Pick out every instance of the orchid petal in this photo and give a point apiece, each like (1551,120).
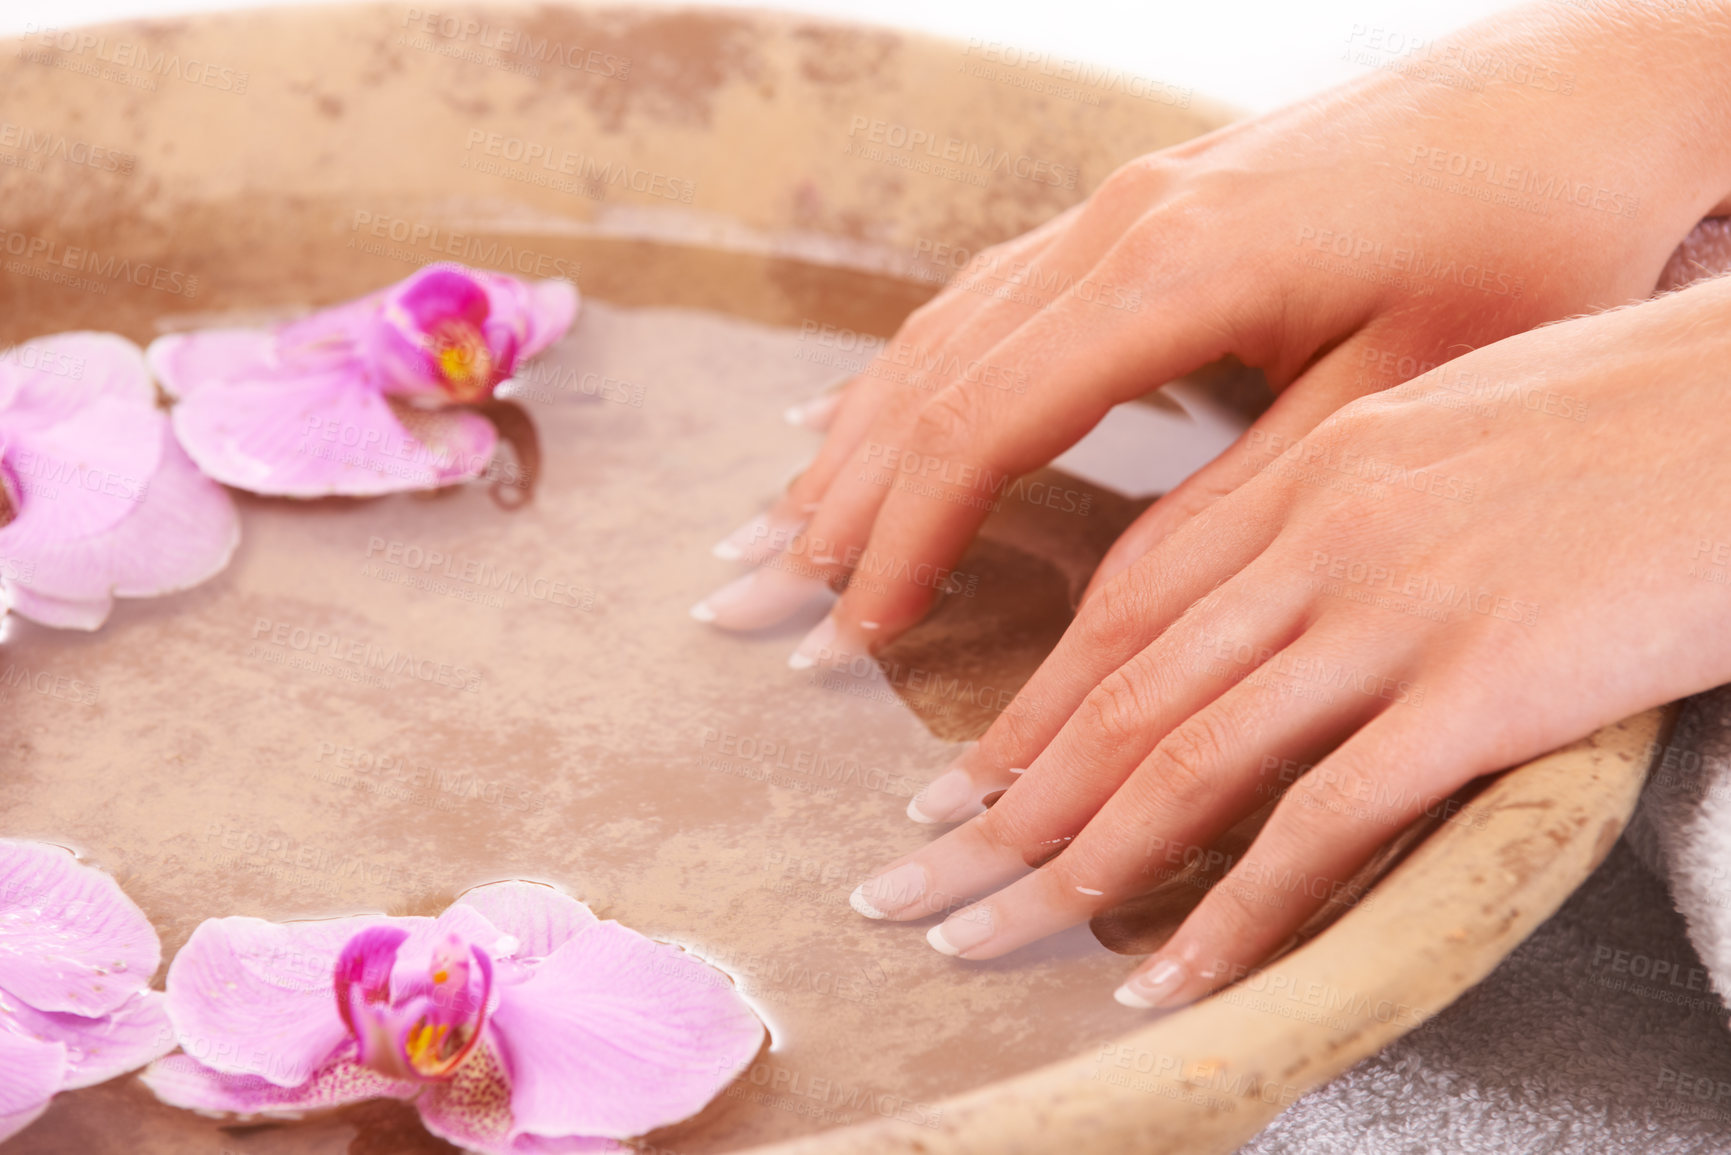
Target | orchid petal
(615,1034)
(254,997)
(181,1081)
(552,308)
(78,476)
(182,533)
(323,435)
(539,917)
(70,940)
(184,363)
(473,1110)
(58,613)
(98,1049)
(30,1073)
(51,380)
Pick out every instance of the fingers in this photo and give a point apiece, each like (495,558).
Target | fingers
(1152,717)
(1203,776)
(1335,379)
(911,508)
(845,412)
(1108,633)
(1329,824)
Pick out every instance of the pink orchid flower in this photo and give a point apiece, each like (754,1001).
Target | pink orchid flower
(516,1022)
(363,398)
(76,958)
(97,499)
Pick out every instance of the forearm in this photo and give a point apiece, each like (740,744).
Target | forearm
(1651,79)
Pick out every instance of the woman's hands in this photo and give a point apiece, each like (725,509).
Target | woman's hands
(1548,166)
(1439,581)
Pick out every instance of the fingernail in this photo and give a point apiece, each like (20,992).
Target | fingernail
(950,797)
(1153,987)
(891,892)
(761,598)
(962,932)
(757,537)
(813,645)
(816,413)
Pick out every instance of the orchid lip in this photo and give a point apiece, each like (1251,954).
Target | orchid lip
(428,1028)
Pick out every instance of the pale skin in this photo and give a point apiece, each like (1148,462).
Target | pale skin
(1282,606)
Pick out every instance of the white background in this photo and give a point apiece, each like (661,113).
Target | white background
(1255,54)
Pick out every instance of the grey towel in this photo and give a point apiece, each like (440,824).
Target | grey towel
(1604,1032)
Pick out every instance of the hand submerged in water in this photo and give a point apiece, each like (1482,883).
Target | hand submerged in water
(1439,581)
(1403,587)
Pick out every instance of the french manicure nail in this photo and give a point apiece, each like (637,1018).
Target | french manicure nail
(1153,987)
(756,537)
(760,598)
(812,647)
(816,413)
(947,798)
(962,931)
(891,892)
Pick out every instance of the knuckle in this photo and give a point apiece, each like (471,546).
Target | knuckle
(1329,796)
(1117,607)
(945,424)
(1132,183)
(1234,911)
(1003,828)
(1187,763)
(1118,708)
(1017,733)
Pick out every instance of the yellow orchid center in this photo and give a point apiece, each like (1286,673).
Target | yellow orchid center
(463,359)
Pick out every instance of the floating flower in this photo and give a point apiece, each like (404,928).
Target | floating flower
(516,1021)
(97,499)
(75,959)
(364,398)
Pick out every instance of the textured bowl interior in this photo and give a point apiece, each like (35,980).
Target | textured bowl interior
(730,193)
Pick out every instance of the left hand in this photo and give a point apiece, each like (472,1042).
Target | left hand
(1442,580)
